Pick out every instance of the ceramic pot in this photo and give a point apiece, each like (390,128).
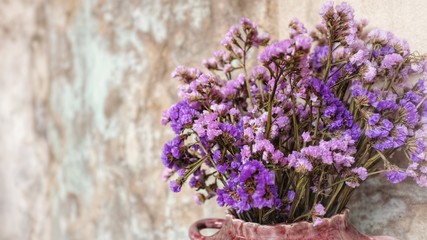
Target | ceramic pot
(337,227)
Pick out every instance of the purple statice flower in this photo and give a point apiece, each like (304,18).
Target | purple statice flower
(417,68)
(388,136)
(374,119)
(236,161)
(186,75)
(418,171)
(222,56)
(254,38)
(383,51)
(317,152)
(318,57)
(390,52)
(173,152)
(267,151)
(359,57)
(343,160)
(306,137)
(253,187)
(341,19)
(369,72)
(420,152)
(180,116)
(317,221)
(337,151)
(319,210)
(401,46)
(198,179)
(303,42)
(413,97)
(165,117)
(199,198)
(383,41)
(228,68)
(210,63)
(256,123)
(422,86)
(384,144)
(231,132)
(296,27)
(261,74)
(291,196)
(229,38)
(175,186)
(282,121)
(421,180)
(221,109)
(380,131)
(277,51)
(327,8)
(246,153)
(361,24)
(391,60)
(280,124)
(361,174)
(419,145)
(386,104)
(206,88)
(207,126)
(221,165)
(233,86)
(299,162)
(248,134)
(379,36)
(361,94)
(335,110)
(330,111)
(247,24)
(400,136)
(396,176)
(412,115)
(354,132)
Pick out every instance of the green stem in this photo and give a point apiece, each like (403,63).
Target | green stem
(247,83)
(300,189)
(302,216)
(294,118)
(334,196)
(316,128)
(421,102)
(328,65)
(270,103)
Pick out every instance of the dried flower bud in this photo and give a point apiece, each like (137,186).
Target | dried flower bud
(199,198)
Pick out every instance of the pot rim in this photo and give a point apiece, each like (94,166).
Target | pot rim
(340,217)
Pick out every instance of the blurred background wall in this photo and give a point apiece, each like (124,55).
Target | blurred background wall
(83,84)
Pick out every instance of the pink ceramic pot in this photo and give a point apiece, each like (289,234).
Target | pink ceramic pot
(337,227)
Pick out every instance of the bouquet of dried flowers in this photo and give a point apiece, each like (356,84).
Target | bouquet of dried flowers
(290,135)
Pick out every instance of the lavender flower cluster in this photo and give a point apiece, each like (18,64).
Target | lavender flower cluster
(290,137)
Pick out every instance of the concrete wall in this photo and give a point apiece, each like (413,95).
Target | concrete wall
(83,84)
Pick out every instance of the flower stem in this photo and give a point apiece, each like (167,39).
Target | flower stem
(270,103)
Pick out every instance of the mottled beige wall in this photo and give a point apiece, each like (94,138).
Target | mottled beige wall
(24,162)
(82,87)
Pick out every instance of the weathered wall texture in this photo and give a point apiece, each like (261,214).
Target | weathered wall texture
(83,84)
